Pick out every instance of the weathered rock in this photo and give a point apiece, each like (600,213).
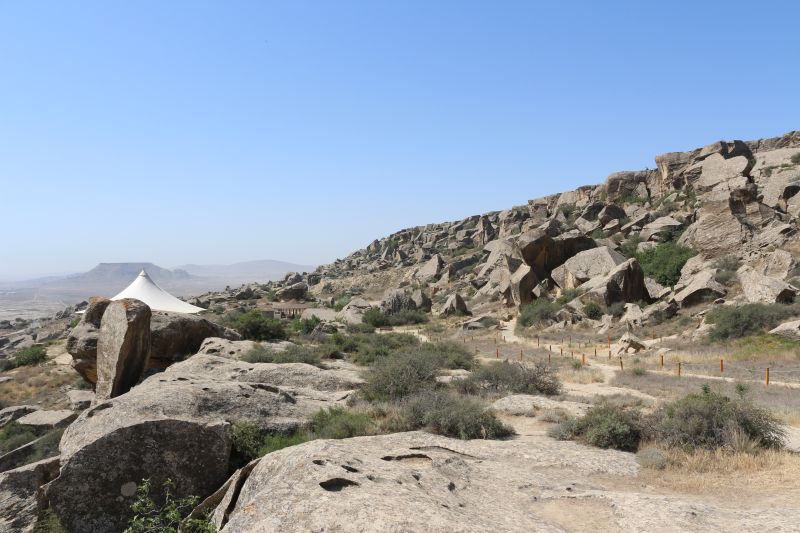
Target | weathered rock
(412,482)
(454,305)
(623,284)
(80,400)
(225,348)
(176,425)
(123,348)
(296,291)
(175,335)
(759,288)
(522,283)
(397,300)
(789,330)
(660,227)
(529,405)
(431,270)
(610,213)
(41,421)
(82,340)
(587,265)
(479,322)
(777,264)
(543,253)
(421,300)
(19,509)
(630,343)
(702,287)
(15,412)
(655,289)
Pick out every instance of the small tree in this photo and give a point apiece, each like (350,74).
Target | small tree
(149,516)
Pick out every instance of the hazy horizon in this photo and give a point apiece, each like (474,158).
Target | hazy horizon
(208,133)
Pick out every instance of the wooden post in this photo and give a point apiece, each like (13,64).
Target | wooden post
(537,341)
(679,369)
(520,354)
(583,359)
(497,353)
(561,353)
(609,355)
(721,366)
(548,358)
(662,360)
(621,366)
(595,351)
(766,377)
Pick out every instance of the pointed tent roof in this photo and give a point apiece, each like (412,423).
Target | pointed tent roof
(145,289)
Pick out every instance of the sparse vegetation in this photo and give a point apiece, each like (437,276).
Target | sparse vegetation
(505,377)
(340,423)
(538,311)
(664,262)
(593,311)
(451,415)
(726,267)
(394,378)
(13,435)
(253,325)
(150,516)
(291,354)
(604,426)
(250,442)
(732,322)
(30,356)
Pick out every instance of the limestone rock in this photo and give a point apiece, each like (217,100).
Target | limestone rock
(15,412)
(701,287)
(41,421)
(454,305)
(790,330)
(421,300)
(176,424)
(759,288)
(80,400)
(431,270)
(19,509)
(176,335)
(82,340)
(522,284)
(543,253)
(587,265)
(123,348)
(397,300)
(225,348)
(296,291)
(623,284)
(660,227)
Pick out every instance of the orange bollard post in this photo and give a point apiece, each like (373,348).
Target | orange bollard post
(721,366)
(497,353)
(561,351)
(679,369)
(537,341)
(583,359)
(662,360)
(766,377)
(548,358)
(520,355)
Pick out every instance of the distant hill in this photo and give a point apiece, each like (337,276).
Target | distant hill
(247,271)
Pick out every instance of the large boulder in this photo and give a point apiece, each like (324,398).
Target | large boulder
(82,340)
(295,291)
(701,287)
(522,284)
(397,300)
(419,482)
(19,509)
(176,425)
(176,335)
(789,330)
(454,305)
(226,348)
(15,412)
(431,270)
(123,347)
(543,253)
(623,284)
(421,300)
(759,288)
(660,228)
(587,265)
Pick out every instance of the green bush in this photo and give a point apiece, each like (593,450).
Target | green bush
(452,415)
(305,325)
(253,325)
(664,262)
(365,349)
(31,356)
(398,376)
(538,311)
(505,377)
(593,311)
(726,267)
(13,435)
(292,354)
(713,420)
(567,296)
(629,247)
(604,426)
(340,423)
(617,309)
(732,322)
(249,442)
(375,317)
(150,516)
(360,328)
(406,317)
(449,354)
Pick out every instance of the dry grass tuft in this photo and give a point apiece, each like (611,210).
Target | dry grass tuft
(583,375)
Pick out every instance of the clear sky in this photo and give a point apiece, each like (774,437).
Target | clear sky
(216,132)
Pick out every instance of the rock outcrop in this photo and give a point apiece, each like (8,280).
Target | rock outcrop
(123,347)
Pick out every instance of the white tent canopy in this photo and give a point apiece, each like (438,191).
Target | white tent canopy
(145,289)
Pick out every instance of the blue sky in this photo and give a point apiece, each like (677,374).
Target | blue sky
(215,132)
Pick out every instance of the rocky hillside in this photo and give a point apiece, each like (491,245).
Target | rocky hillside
(728,205)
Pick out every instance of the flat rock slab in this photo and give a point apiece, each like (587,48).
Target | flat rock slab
(18,508)
(10,414)
(80,399)
(47,420)
(528,405)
